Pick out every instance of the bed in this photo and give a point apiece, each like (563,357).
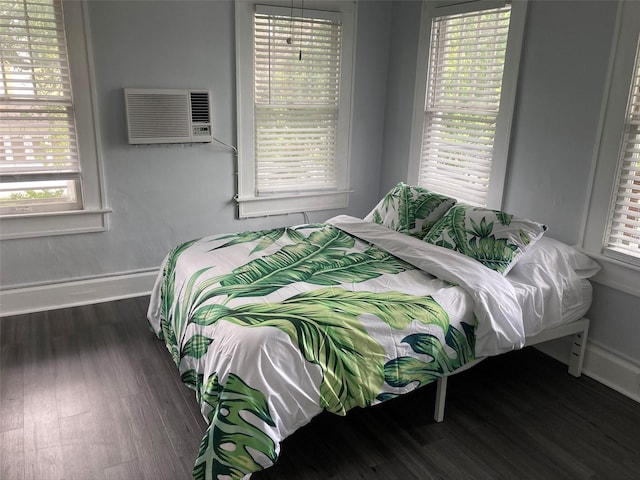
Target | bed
(270,328)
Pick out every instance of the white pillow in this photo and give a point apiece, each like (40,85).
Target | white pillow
(551,281)
(553,254)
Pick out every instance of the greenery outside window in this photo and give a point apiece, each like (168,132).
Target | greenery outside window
(294,83)
(465,94)
(50,179)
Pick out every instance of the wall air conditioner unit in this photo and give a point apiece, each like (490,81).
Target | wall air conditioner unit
(167,116)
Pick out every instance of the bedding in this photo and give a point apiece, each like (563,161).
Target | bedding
(551,279)
(272,327)
(492,237)
(410,209)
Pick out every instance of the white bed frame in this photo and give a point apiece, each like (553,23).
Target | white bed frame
(578,328)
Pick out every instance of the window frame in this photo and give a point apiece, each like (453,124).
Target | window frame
(93,215)
(617,272)
(249,203)
(433,9)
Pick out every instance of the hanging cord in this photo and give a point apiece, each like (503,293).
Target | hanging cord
(290,38)
(301,21)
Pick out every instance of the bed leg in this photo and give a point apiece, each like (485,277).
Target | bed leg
(441,393)
(577,352)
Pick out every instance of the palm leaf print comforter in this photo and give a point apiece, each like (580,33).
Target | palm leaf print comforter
(272,327)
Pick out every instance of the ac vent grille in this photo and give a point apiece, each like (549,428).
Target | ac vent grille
(200,107)
(167,116)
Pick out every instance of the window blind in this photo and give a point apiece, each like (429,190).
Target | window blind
(467,56)
(38,150)
(624,224)
(297,80)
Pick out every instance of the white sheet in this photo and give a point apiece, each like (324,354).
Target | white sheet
(551,286)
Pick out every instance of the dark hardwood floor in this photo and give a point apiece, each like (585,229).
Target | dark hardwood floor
(90,393)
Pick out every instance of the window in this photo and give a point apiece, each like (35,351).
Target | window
(294,82)
(623,233)
(49,171)
(467,83)
(612,221)
(40,170)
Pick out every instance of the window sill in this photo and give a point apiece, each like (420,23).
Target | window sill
(55,223)
(291,203)
(616,274)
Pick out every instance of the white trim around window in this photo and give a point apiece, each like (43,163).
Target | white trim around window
(498,167)
(251,203)
(616,271)
(94,215)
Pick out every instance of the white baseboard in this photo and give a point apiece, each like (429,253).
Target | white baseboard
(601,364)
(39,298)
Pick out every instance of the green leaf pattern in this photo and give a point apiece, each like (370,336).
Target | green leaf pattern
(410,209)
(310,283)
(167,293)
(228,447)
(405,370)
(492,237)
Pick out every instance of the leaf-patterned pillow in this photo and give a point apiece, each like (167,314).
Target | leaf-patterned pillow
(410,209)
(494,238)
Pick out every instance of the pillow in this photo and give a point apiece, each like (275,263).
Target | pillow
(409,209)
(582,265)
(494,238)
(550,280)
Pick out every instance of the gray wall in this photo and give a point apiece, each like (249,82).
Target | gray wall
(163,195)
(405,22)
(560,92)
(564,64)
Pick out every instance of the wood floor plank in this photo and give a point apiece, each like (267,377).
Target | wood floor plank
(79,463)
(113,431)
(84,453)
(184,428)
(455,461)
(46,463)
(587,445)
(12,388)
(153,447)
(12,454)
(41,429)
(71,386)
(128,379)
(124,471)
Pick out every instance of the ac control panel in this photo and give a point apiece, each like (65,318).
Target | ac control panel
(201,130)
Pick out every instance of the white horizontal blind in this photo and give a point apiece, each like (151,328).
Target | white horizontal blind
(467,55)
(624,220)
(38,150)
(297,79)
